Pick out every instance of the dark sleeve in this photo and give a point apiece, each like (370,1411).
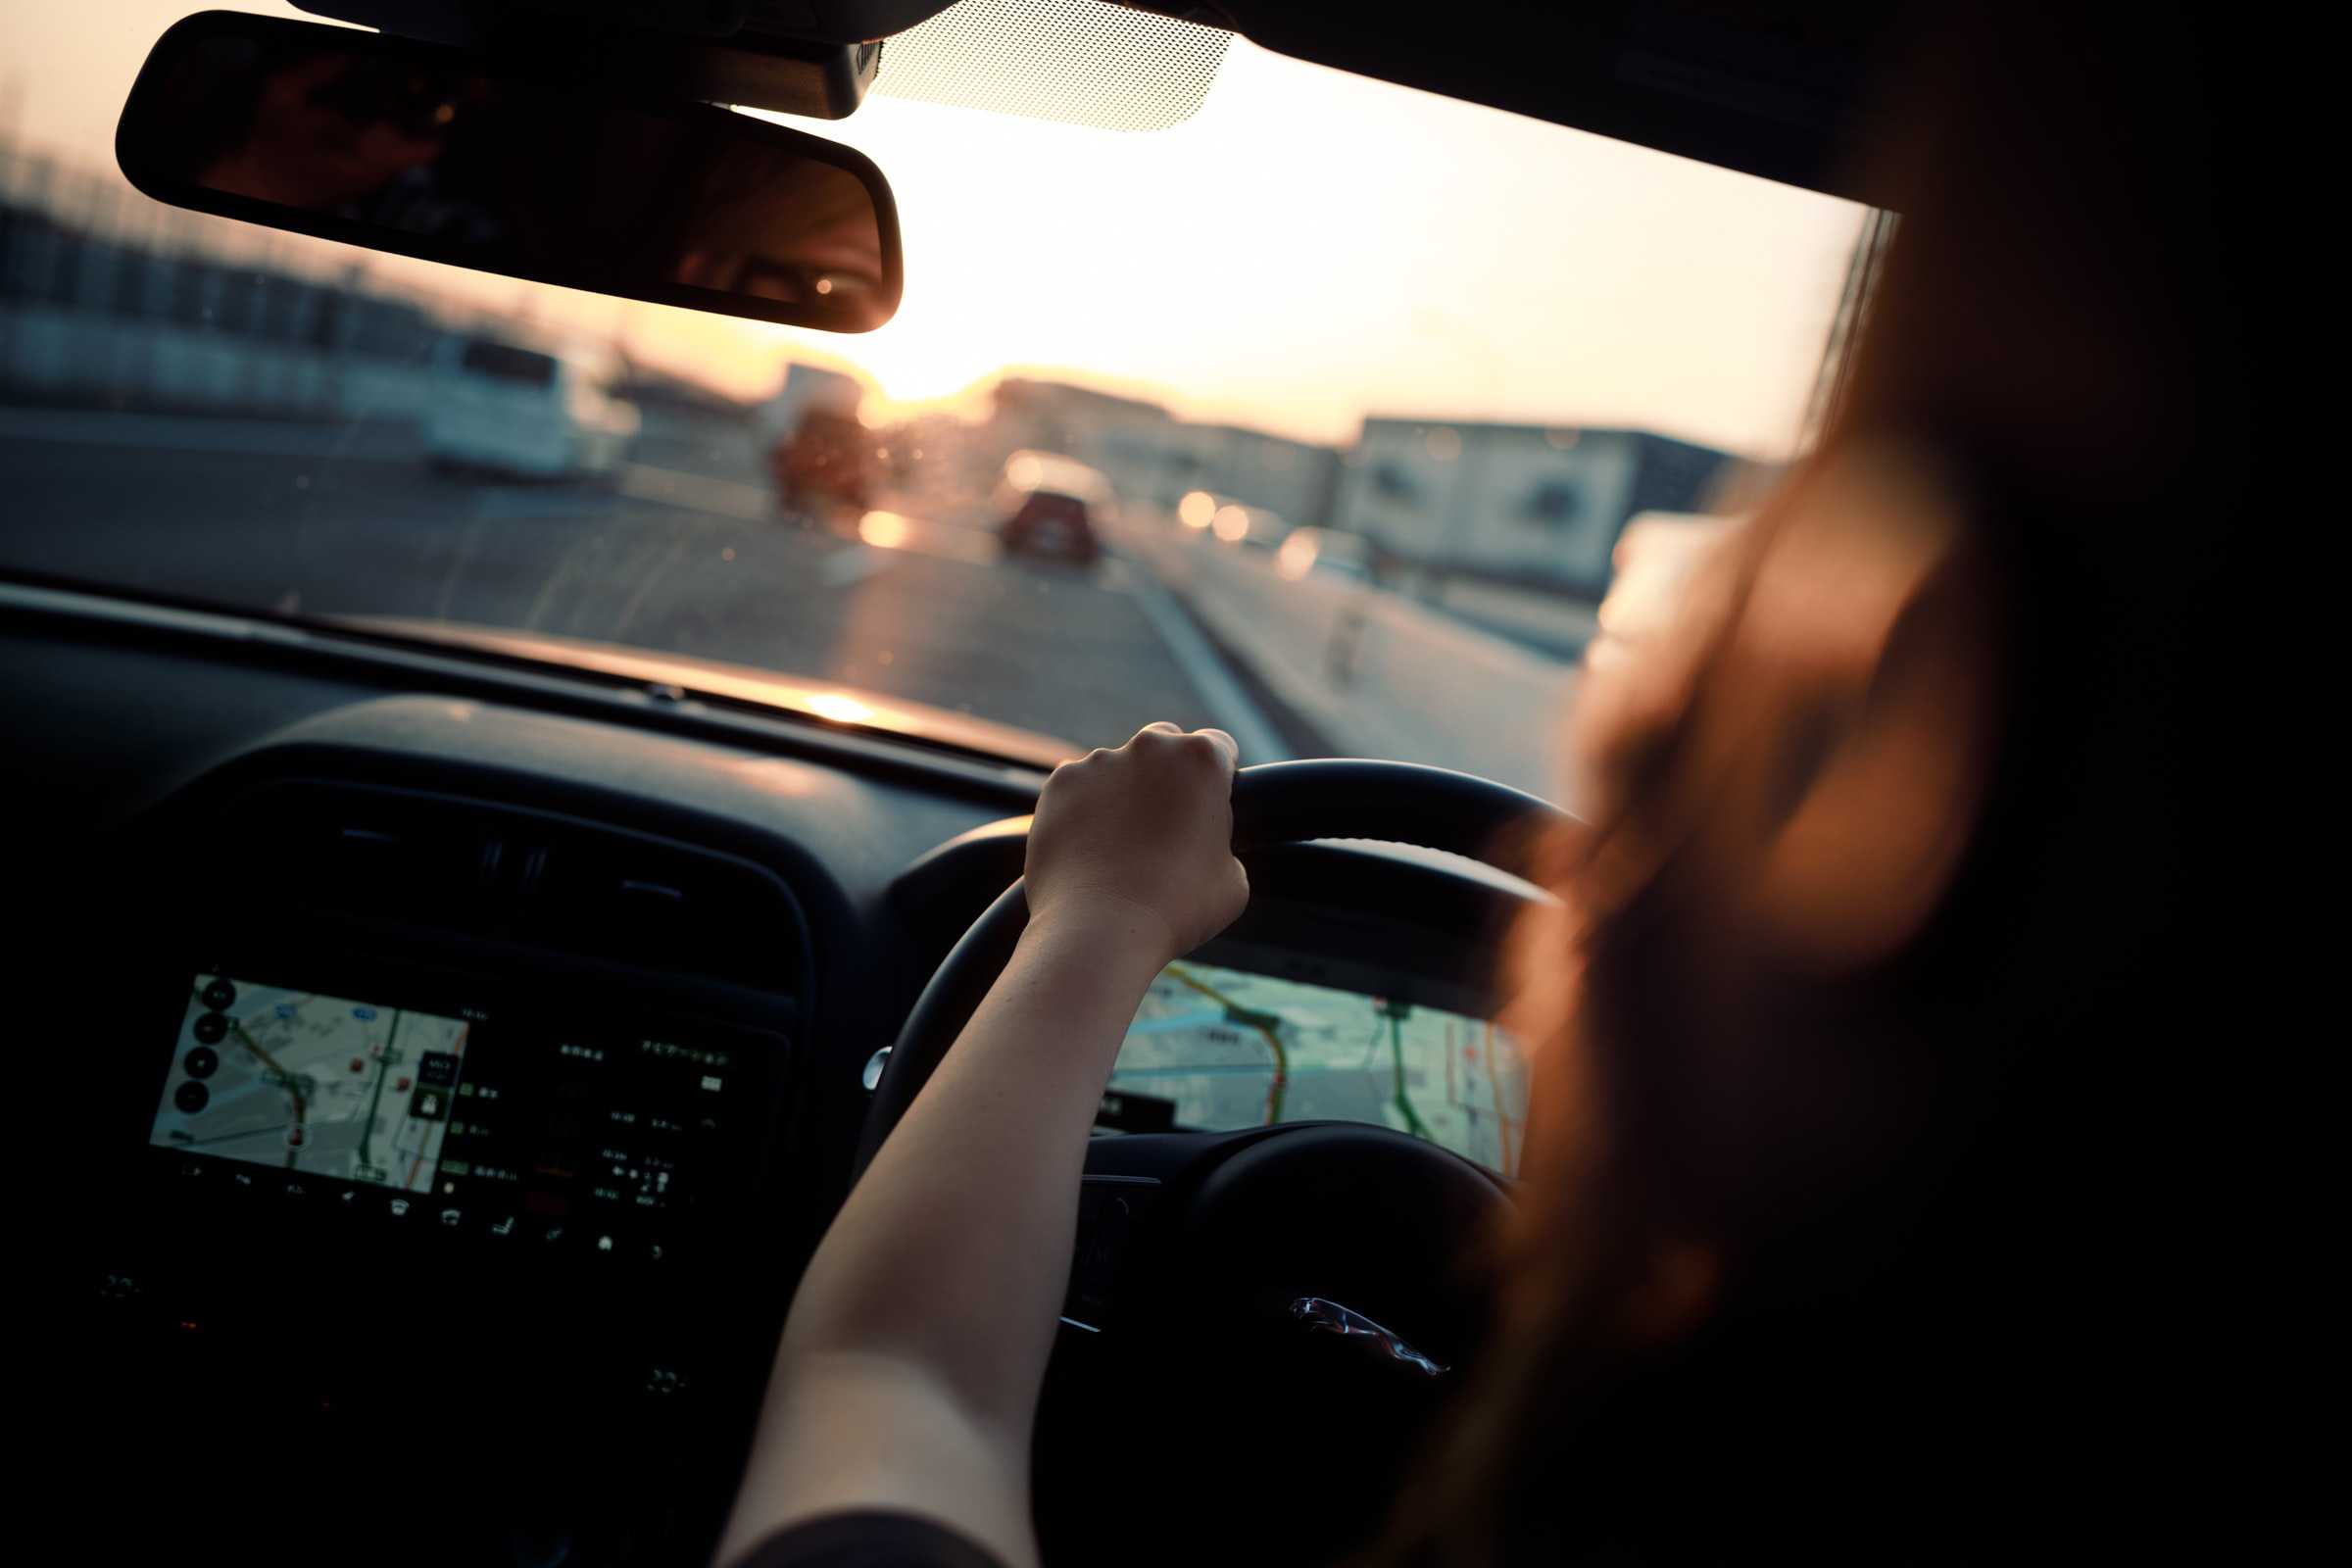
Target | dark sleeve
(869,1539)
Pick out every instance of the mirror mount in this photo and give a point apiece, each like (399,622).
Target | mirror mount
(711,50)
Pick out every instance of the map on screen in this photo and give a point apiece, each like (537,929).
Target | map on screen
(1230,1049)
(304,1082)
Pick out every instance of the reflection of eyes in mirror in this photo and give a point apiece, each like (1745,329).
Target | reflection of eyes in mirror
(777,226)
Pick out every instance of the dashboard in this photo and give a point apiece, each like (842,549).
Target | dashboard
(452,1066)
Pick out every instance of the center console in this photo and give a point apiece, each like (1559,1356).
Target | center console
(439,1135)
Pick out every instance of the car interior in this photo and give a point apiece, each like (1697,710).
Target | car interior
(636,959)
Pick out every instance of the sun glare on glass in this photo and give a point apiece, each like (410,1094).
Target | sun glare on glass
(836,706)
(1296,557)
(884,530)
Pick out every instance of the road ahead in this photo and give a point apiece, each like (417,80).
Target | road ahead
(685,554)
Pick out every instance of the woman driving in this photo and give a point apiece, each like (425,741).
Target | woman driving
(1849,1023)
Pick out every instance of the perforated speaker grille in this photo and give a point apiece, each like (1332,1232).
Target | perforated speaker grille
(1082,61)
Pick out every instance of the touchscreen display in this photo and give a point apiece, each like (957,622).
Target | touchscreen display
(513,1128)
(1215,1048)
(304,1082)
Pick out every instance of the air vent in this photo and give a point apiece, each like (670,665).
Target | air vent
(484,869)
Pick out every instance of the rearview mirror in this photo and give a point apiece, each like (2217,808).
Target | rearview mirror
(488,163)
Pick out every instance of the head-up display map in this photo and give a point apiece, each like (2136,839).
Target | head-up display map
(1217,1048)
(304,1082)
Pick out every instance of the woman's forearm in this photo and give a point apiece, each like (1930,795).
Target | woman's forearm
(972,1205)
(909,1372)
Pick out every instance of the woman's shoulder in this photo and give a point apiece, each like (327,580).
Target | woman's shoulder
(868,1540)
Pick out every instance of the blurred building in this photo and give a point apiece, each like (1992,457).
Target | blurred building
(110,301)
(1152,457)
(86,321)
(1461,513)
(1531,507)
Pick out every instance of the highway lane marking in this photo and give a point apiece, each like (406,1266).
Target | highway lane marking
(697,492)
(515,502)
(672,555)
(855,564)
(1229,707)
(894,530)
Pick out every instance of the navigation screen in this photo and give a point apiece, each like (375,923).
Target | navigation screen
(1215,1048)
(521,1122)
(303,1082)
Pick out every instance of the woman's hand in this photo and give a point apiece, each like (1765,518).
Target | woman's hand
(1141,837)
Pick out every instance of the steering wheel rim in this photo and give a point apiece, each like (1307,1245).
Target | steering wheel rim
(1273,802)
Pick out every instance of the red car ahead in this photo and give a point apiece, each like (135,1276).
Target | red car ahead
(1052,526)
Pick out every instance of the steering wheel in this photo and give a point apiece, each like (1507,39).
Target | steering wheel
(1273,802)
(1307,1270)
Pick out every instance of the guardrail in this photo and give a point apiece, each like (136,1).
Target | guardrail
(1376,673)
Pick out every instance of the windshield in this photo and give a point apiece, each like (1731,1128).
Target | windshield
(1320,415)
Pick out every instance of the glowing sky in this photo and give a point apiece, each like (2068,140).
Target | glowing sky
(1311,248)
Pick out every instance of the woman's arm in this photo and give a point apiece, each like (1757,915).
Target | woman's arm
(909,1372)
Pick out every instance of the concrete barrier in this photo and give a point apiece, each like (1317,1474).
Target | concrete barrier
(1378,674)
(94,355)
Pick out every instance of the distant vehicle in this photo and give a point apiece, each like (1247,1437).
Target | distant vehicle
(1054,527)
(1050,504)
(1326,550)
(825,464)
(533,413)
(807,387)
(820,452)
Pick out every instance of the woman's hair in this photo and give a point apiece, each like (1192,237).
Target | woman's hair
(1841,1228)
